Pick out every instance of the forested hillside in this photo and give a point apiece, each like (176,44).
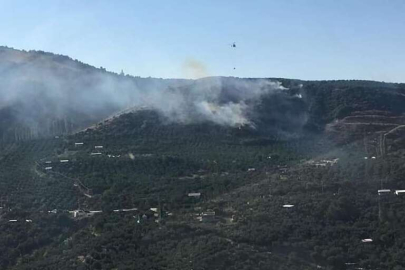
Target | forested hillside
(235,174)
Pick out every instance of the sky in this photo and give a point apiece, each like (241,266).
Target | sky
(301,39)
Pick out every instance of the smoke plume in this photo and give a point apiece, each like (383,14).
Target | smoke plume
(51,93)
(224,101)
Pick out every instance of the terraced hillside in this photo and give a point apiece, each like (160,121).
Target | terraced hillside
(136,206)
(134,170)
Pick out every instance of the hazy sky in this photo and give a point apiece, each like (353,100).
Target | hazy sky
(307,39)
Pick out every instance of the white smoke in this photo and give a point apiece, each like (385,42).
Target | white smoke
(224,101)
(231,114)
(47,86)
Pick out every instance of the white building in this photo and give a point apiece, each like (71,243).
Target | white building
(207,216)
(288,205)
(397,192)
(129,209)
(383,191)
(76,213)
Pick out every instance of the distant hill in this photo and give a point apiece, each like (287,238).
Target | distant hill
(45,94)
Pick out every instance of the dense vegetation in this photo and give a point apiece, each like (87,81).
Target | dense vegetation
(244,174)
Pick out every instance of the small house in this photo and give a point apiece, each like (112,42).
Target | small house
(207,216)
(397,192)
(288,205)
(383,191)
(77,213)
(367,240)
(129,209)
